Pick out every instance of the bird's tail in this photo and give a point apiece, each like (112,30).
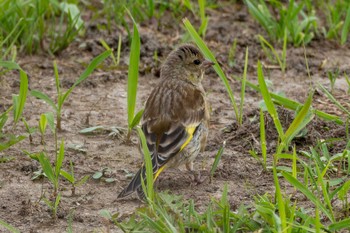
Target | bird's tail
(135,185)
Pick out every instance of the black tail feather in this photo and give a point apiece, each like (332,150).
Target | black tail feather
(135,184)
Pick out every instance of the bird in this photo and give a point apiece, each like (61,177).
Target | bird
(175,120)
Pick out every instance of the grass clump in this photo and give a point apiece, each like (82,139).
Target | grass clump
(291,19)
(35,25)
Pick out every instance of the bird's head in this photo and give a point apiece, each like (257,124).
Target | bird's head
(186,62)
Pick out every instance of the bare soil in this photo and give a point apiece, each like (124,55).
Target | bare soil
(101,101)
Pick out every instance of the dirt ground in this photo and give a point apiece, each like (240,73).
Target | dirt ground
(101,101)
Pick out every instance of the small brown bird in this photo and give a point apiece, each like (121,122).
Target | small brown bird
(175,119)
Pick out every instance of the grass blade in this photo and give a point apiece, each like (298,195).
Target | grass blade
(244,80)
(133,73)
(305,190)
(148,164)
(268,101)
(217,159)
(91,67)
(22,97)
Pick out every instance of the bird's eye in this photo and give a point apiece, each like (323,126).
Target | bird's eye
(197,62)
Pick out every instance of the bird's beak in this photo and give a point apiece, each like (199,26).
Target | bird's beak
(207,63)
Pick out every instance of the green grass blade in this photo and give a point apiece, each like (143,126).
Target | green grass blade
(12,229)
(46,165)
(268,101)
(300,121)
(306,191)
(342,224)
(44,97)
(60,158)
(23,90)
(148,164)
(137,119)
(263,138)
(217,159)
(67,176)
(294,105)
(208,54)
(10,65)
(346,27)
(331,97)
(57,79)
(279,197)
(42,124)
(133,73)
(91,67)
(244,80)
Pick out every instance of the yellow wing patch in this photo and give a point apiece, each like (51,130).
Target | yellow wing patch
(190,130)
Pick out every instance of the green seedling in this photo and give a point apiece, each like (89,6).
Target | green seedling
(19,100)
(334,100)
(268,49)
(243,85)
(294,105)
(204,19)
(291,21)
(106,46)
(72,179)
(217,160)
(9,227)
(53,175)
(53,205)
(63,96)
(148,187)
(28,27)
(133,75)
(69,26)
(263,138)
(333,76)
(30,130)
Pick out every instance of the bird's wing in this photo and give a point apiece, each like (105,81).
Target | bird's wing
(169,129)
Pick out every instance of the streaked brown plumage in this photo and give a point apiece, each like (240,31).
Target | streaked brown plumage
(175,119)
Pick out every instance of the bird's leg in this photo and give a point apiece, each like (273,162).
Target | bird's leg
(196,174)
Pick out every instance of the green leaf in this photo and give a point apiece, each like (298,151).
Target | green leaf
(217,159)
(91,129)
(269,104)
(136,119)
(42,124)
(19,106)
(148,164)
(51,121)
(46,165)
(97,175)
(306,191)
(9,227)
(43,97)
(67,176)
(57,201)
(300,121)
(133,73)
(12,140)
(82,180)
(346,27)
(91,67)
(60,159)
(342,224)
(10,65)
